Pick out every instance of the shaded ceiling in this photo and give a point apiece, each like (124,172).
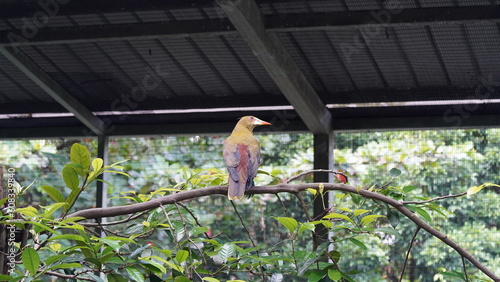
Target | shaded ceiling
(76,68)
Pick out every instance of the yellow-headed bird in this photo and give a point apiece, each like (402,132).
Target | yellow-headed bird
(242,156)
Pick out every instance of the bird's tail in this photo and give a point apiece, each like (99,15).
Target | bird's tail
(236,189)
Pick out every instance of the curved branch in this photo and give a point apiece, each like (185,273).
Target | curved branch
(282,188)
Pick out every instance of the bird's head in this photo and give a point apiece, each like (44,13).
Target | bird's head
(250,122)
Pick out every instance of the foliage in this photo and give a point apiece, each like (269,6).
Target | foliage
(65,247)
(432,164)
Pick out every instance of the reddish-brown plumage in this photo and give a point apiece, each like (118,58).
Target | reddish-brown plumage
(242,156)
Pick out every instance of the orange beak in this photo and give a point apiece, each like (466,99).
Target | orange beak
(260,122)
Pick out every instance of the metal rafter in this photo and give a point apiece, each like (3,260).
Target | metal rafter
(56,91)
(248,21)
(290,22)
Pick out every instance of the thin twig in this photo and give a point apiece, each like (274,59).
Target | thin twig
(249,237)
(186,232)
(67,276)
(434,199)
(311,171)
(465,269)
(194,217)
(131,217)
(282,204)
(306,212)
(408,252)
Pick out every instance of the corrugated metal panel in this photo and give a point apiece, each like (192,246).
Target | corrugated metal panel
(474,2)
(453,47)
(290,7)
(121,18)
(214,12)
(190,60)
(297,54)
(363,5)
(433,3)
(152,16)
(187,14)
(422,56)
(234,72)
(16,86)
(324,7)
(252,64)
(353,51)
(85,20)
(325,60)
(485,40)
(383,44)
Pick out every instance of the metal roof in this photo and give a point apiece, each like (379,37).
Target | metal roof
(75,68)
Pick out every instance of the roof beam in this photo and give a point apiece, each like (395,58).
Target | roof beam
(56,91)
(248,21)
(277,23)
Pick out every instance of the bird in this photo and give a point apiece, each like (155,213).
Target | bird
(241,153)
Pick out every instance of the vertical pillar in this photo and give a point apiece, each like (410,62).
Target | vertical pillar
(101,191)
(323,159)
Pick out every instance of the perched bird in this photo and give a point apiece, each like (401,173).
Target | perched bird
(242,156)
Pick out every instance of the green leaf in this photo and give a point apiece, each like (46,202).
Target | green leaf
(424,214)
(73,237)
(181,279)
(334,274)
(52,208)
(41,226)
(175,267)
(97,164)
(358,243)
(315,276)
(393,217)
(394,172)
(304,265)
(474,190)
(390,231)
(335,255)
(80,154)
(306,226)
(338,215)
(53,193)
(288,222)
(110,242)
(155,267)
(358,212)
(370,218)
(135,274)
(31,260)
(70,178)
(65,265)
(50,260)
(4,277)
(115,278)
(181,256)
(198,230)
(227,251)
(210,279)
(408,189)
(28,211)
(71,199)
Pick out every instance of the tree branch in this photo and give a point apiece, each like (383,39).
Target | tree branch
(275,189)
(434,199)
(408,253)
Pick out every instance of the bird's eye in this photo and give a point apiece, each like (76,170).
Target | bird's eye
(251,118)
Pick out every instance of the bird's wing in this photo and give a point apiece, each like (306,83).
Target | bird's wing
(232,159)
(253,165)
